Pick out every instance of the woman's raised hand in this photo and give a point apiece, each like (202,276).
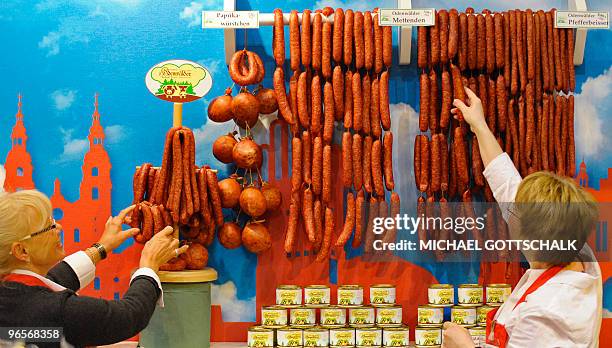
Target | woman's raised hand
(472,113)
(160,249)
(114,234)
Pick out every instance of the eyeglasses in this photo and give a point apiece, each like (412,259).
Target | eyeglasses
(52,226)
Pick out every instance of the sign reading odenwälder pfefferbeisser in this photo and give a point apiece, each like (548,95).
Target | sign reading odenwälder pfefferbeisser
(230,19)
(178,81)
(582,19)
(407,17)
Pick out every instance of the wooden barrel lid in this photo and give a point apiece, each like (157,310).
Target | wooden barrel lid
(200,276)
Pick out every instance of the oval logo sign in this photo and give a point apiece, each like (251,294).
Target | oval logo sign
(178,81)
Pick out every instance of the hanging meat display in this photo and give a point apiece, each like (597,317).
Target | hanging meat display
(340,68)
(530,85)
(521,68)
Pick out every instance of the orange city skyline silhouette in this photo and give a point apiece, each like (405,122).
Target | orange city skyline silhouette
(82,220)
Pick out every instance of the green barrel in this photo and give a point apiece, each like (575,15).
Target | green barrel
(184,321)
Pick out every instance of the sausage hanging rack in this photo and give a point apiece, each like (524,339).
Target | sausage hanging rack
(267,19)
(405,33)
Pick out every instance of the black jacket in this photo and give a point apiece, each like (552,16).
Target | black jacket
(86,321)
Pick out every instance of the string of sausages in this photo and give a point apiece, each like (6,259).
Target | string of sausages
(521,68)
(339,61)
(178,193)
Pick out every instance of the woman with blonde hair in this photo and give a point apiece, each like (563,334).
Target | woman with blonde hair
(38,282)
(558,301)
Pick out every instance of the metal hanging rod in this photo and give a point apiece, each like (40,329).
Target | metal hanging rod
(404,42)
(267,19)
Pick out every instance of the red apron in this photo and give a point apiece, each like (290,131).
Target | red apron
(496,333)
(25,279)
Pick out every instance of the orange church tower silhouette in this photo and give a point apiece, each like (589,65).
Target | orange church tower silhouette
(96,185)
(582,179)
(83,220)
(604,193)
(18,161)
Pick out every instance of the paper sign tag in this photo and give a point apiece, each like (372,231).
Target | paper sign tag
(422,17)
(230,19)
(178,81)
(582,19)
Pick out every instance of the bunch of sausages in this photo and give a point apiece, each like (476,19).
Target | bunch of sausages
(339,61)
(177,193)
(246,68)
(521,68)
(508,60)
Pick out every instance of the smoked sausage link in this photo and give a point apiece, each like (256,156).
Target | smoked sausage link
(433,101)
(443,20)
(377,174)
(458,90)
(425,165)
(294,40)
(349,221)
(463,41)
(358,40)
(326,50)
(357,102)
(435,161)
(338,36)
(279,38)
(472,44)
(453,34)
(498,28)
(387,46)
(328,126)
(357,161)
(461,157)
(417,160)
(447,100)
(444,165)
(349,21)
(422,47)
(359,213)
(296,164)
(385,113)
(502,101)
(347,160)
(434,40)
(317,41)
(338,87)
(281,95)
(367,164)
(378,45)
(388,160)
(317,165)
(348,100)
(327,174)
(425,103)
(306,39)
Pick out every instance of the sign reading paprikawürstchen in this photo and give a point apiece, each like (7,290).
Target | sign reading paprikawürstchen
(230,19)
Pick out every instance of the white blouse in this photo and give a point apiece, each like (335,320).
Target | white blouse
(566,310)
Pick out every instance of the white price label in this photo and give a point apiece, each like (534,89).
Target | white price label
(423,17)
(582,19)
(230,19)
